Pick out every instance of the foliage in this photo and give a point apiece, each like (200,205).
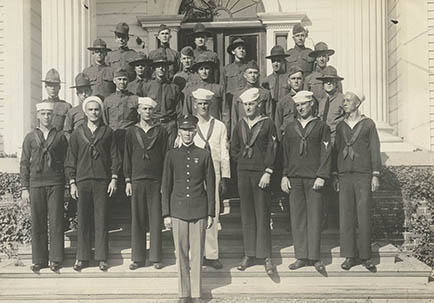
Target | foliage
(10,184)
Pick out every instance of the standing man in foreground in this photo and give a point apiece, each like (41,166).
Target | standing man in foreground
(43,181)
(188,205)
(357,174)
(92,167)
(254,147)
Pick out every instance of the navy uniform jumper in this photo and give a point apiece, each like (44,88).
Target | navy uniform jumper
(358,159)
(42,173)
(307,155)
(143,167)
(254,150)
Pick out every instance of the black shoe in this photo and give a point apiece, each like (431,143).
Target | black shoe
(319,266)
(37,267)
(79,265)
(216,264)
(246,262)
(367,263)
(184,300)
(299,263)
(269,267)
(103,265)
(54,266)
(158,265)
(136,265)
(348,263)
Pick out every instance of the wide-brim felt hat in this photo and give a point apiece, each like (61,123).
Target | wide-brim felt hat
(277,52)
(122,29)
(82,80)
(235,44)
(330,73)
(201,60)
(199,29)
(159,57)
(99,44)
(139,58)
(321,48)
(52,76)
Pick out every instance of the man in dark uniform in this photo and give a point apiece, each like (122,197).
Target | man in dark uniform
(357,170)
(253,146)
(43,181)
(307,163)
(141,66)
(75,115)
(251,75)
(99,72)
(121,56)
(165,93)
(299,54)
(163,36)
(188,203)
(200,37)
(204,67)
(277,81)
(185,75)
(321,55)
(145,149)
(60,107)
(232,74)
(92,167)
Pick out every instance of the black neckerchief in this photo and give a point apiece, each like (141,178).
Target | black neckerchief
(140,139)
(92,144)
(248,144)
(348,149)
(303,138)
(208,135)
(44,148)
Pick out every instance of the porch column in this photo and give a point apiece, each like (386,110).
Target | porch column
(68,28)
(280,24)
(361,52)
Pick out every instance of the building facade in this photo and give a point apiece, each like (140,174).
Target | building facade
(385,47)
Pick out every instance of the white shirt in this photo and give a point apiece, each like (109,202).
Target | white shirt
(219,145)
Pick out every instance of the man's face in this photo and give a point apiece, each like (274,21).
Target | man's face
(201,106)
(52,89)
(186,61)
(160,70)
(145,111)
(304,109)
(296,81)
(93,111)
(164,36)
(45,117)
(200,40)
(204,71)
(322,60)
(121,40)
(121,82)
(187,135)
(140,68)
(251,75)
(277,64)
(239,52)
(251,108)
(83,93)
(299,38)
(99,56)
(351,103)
(330,85)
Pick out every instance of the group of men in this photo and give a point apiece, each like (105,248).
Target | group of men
(164,129)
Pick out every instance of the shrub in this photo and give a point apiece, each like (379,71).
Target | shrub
(10,184)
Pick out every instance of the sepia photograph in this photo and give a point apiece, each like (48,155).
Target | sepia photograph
(217,151)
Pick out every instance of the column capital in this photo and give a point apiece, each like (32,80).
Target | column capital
(152,23)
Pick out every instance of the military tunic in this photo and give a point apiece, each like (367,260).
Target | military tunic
(120,58)
(331,111)
(172,55)
(74,118)
(60,110)
(299,56)
(285,113)
(232,76)
(135,87)
(102,77)
(277,92)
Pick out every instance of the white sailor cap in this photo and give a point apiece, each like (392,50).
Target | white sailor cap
(92,99)
(203,94)
(358,93)
(44,106)
(147,101)
(252,94)
(302,96)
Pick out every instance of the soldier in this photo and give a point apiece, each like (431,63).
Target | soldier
(185,75)
(141,66)
(43,182)
(92,167)
(205,67)
(166,95)
(254,146)
(277,81)
(251,75)
(188,204)
(321,55)
(75,115)
(60,107)
(212,135)
(356,176)
(307,162)
(232,74)
(299,54)
(200,37)
(145,149)
(163,36)
(121,56)
(99,72)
